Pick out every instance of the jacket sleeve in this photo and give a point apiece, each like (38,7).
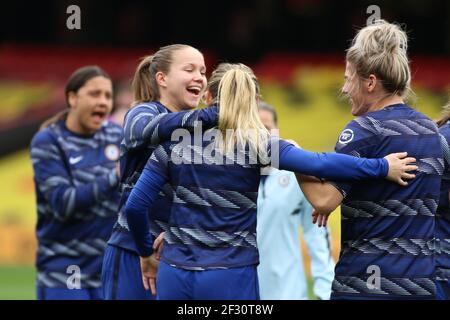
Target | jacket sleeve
(141,199)
(144,125)
(329,165)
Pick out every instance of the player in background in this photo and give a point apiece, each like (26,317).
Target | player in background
(210,249)
(123,99)
(387,238)
(443,214)
(74,158)
(282,209)
(167,87)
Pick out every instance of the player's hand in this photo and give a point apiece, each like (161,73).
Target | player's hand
(149,270)
(399,167)
(158,245)
(320,218)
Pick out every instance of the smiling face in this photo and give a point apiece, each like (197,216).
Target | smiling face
(354,89)
(90,106)
(184,84)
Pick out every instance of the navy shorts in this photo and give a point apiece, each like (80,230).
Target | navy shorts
(218,284)
(121,276)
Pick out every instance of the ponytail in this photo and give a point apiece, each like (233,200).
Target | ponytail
(143,83)
(238,113)
(61,115)
(216,76)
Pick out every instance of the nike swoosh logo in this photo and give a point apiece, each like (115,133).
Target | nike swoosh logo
(75,160)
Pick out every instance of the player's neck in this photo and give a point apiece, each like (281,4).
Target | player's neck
(74,126)
(171,105)
(386,102)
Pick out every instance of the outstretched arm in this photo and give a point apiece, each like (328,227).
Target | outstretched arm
(339,167)
(325,197)
(144,125)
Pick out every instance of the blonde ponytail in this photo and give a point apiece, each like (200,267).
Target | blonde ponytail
(239,121)
(216,76)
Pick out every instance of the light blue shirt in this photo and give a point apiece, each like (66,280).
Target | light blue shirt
(282,208)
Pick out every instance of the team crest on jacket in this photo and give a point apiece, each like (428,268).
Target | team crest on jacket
(112,152)
(283,180)
(346,136)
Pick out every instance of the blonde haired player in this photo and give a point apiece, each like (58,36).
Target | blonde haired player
(387,238)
